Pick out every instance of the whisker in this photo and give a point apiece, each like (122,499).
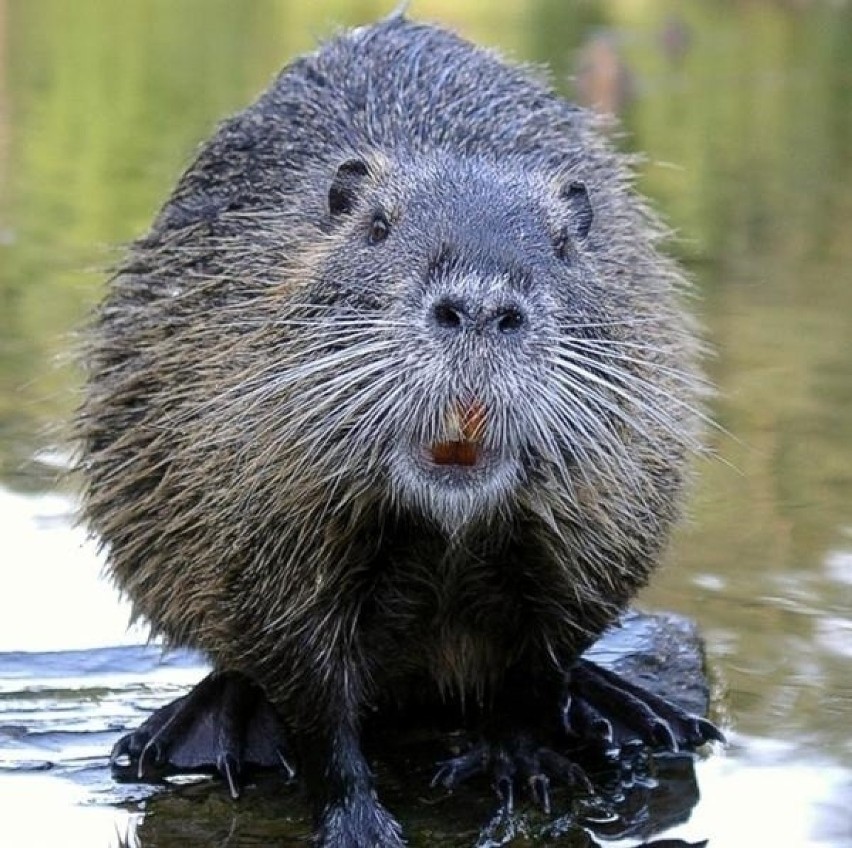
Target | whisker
(629,378)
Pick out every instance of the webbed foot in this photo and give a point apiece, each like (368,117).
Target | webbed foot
(225,726)
(608,711)
(515,758)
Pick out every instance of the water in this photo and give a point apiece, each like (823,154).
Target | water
(744,112)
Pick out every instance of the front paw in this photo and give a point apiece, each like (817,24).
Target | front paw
(224,725)
(359,822)
(606,710)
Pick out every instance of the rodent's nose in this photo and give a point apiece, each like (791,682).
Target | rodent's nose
(457,315)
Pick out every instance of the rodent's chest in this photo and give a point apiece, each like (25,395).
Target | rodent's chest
(461,628)
(463,659)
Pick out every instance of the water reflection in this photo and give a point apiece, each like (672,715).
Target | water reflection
(745,113)
(199,816)
(763,794)
(58,601)
(70,814)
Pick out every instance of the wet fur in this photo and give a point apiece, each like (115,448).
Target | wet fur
(251,369)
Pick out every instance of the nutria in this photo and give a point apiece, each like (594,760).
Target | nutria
(394,401)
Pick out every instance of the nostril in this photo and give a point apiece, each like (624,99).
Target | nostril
(511,320)
(450,313)
(447,315)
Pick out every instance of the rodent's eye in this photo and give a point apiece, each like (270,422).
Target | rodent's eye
(379,229)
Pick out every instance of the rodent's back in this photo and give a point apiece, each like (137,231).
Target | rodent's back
(221,349)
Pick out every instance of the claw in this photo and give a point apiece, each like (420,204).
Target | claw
(585,721)
(119,750)
(602,728)
(705,730)
(664,735)
(229,769)
(456,770)
(443,777)
(150,748)
(289,771)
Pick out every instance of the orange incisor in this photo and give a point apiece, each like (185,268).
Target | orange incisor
(468,420)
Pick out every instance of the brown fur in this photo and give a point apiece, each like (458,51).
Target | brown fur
(258,375)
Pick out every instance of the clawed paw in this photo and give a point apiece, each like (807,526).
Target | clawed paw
(609,712)
(603,714)
(224,726)
(512,761)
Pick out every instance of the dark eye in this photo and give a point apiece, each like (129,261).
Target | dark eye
(379,229)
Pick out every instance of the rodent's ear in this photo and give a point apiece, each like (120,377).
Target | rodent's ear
(344,187)
(577,197)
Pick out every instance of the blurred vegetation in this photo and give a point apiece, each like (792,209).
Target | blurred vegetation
(744,113)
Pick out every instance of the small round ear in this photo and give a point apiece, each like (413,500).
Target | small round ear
(582,215)
(343,191)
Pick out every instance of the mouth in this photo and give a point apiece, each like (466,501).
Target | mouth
(466,422)
(464,451)
(461,453)
(461,475)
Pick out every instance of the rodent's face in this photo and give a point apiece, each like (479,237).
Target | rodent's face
(447,292)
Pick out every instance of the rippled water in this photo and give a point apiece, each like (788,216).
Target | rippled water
(744,111)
